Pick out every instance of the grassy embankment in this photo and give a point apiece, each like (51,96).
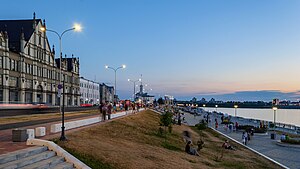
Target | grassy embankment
(134,142)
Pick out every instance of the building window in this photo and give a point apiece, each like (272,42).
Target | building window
(28,50)
(40,38)
(1,61)
(12,65)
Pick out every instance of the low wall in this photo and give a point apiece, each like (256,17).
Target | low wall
(74,124)
(79,123)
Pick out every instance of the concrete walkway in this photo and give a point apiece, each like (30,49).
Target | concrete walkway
(6,144)
(262,143)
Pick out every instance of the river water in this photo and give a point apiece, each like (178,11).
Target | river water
(287,116)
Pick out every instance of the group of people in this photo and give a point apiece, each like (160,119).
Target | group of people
(105,108)
(245,137)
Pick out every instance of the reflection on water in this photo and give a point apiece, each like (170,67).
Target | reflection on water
(287,116)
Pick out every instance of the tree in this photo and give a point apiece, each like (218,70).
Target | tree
(194,100)
(166,121)
(160,101)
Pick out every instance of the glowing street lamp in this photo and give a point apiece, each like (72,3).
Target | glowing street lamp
(204,107)
(134,81)
(235,109)
(216,107)
(77,28)
(115,70)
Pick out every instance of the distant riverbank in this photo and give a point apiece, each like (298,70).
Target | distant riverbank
(285,116)
(250,106)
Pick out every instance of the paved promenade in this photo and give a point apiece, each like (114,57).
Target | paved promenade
(262,143)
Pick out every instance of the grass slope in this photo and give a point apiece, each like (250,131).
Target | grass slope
(134,142)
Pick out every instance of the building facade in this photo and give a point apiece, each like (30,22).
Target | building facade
(106,93)
(89,92)
(29,72)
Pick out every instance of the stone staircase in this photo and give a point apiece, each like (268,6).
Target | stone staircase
(33,158)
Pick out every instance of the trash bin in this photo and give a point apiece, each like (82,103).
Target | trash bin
(19,135)
(273,136)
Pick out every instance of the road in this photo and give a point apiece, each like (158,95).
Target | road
(17,112)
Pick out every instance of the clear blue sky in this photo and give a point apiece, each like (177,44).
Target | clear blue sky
(183,48)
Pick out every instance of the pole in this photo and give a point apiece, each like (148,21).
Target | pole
(116,85)
(134,91)
(60,75)
(235,112)
(63,137)
(274,117)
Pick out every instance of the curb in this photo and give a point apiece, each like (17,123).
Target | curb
(279,143)
(268,158)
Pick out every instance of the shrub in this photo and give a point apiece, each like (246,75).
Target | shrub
(255,129)
(291,141)
(202,125)
(260,130)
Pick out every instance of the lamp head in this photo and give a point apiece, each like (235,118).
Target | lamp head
(216,105)
(77,27)
(140,79)
(43,29)
(204,105)
(128,80)
(235,106)
(274,108)
(106,67)
(123,66)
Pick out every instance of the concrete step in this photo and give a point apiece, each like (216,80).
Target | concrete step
(64,165)
(16,155)
(44,164)
(28,160)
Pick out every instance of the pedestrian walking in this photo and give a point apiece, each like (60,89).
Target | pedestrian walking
(244,138)
(109,109)
(104,111)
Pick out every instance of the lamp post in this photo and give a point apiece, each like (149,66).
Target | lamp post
(115,70)
(235,109)
(204,106)
(134,81)
(274,115)
(216,108)
(76,28)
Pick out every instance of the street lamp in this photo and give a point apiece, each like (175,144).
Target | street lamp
(216,107)
(115,69)
(204,106)
(76,28)
(235,108)
(274,116)
(134,81)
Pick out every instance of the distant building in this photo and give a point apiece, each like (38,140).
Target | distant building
(275,102)
(29,70)
(89,91)
(106,93)
(143,97)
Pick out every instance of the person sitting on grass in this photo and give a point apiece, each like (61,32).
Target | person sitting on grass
(200,144)
(226,145)
(190,150)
